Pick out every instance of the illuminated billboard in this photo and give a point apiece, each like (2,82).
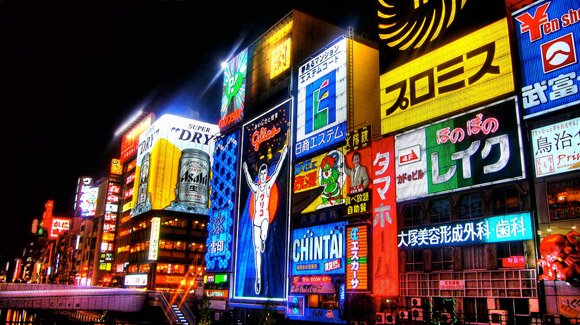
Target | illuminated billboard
(548,38)
(262,231)
(319,250)
(385,264)
(468,71)
(131,139)
(154,239)
(322,100)
(234,90)
(357,253)
(473,149)
(88,200)
(512,227)
(358,168)
(173,166)
(220,227)
(59,226)
(116,167)
(319,182)
(555,148)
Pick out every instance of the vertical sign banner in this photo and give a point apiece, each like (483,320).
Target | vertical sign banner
(358,168)
(322,100)
(130,141)
(319,250)
(556,148)
(357,252)
(154,238)
(469,150)
(262,233)
(548,36)
(223,208)
(173,166)
(385,270)
(463,73)
(234,90)
(319,182)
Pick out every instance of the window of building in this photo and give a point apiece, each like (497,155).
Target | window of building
(440,211)
(475,310)
(510,249)
(414,260)
(174,222)
(442,258)
(506,201)
(471,207)
(413,215)
(473,257)
(564,199)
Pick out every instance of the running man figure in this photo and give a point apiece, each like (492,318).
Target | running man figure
(261,222)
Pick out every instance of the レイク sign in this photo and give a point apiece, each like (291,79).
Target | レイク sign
(512,227)
(472,149)
(548,36)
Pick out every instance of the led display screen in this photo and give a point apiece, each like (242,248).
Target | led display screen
(512,227)
(471,149)
(173,166)
(357,252)
(234,90)
(319,249)
(385,254)
(548,36)
(130,140)
(223,210)
(322,100)
(460,74)
(556,148)
(319,182)
(262,231)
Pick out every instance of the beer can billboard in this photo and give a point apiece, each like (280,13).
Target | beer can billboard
(173,166)
(469,150)
(263,226)
(548,36)
(223,203)
(322,100)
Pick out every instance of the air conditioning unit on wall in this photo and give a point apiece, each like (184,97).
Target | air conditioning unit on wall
(416,302)
(446,318)
(417,314)
(390,318)
(498,317)
(380,318)
(404,314)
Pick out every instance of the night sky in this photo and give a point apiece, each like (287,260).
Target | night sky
(71,72)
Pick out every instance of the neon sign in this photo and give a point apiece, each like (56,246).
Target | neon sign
(512,227)
(319,249)
(234,93)
(357,254)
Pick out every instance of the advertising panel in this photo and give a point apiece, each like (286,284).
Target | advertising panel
(173,166)
(556,148)
(548,38)
(385,254)
(511,227)
(358,163)
(319,250)
(59,226)
(472,149)
(357,252)
(319,182)
(463,73)
(322,100)
(154,239)
(88,200)
(262,231)
(136,280)
(116,167)
(130,141)
(223,209)
(234,90)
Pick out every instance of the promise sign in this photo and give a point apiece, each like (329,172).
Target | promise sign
(460,74)
(469,150)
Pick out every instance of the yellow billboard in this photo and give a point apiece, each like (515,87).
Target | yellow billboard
(463,73)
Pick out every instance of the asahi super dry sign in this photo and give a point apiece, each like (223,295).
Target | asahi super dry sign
(173,166)
(472,149)
(262,233)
